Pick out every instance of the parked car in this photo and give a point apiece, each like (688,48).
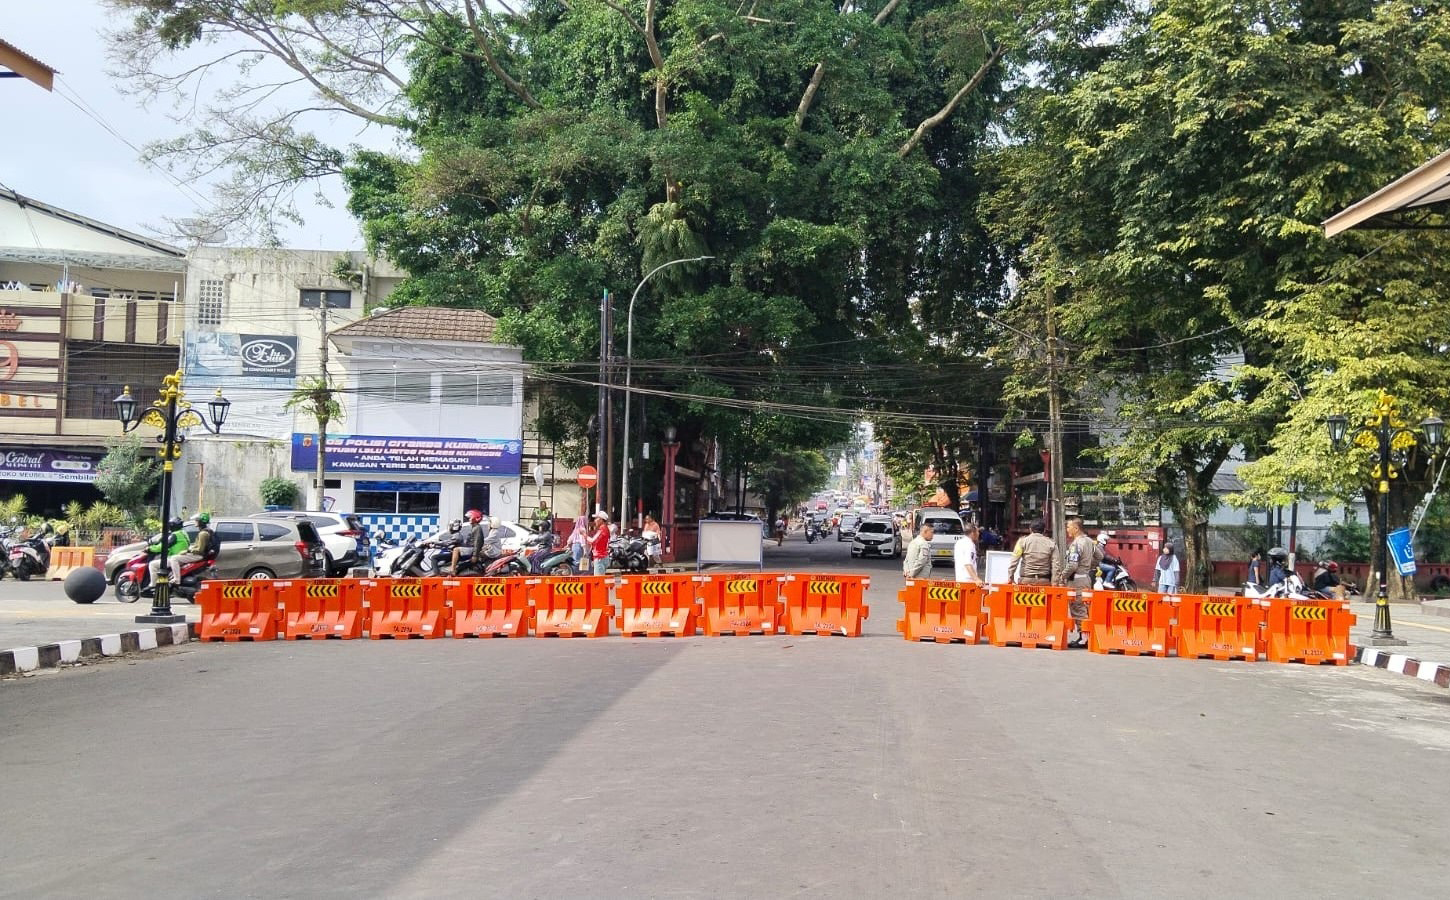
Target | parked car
(877,536)
(253,547)
(847,528)
(344,535)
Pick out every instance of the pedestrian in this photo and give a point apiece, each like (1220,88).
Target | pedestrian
(1165,574)
(1256,568)
(599,543)
(649,532)
(579,543)
(917,561)
(542,520)
(1083,556)
(1034,558)
(964,556)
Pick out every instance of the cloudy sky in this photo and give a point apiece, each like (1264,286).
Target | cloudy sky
(59,154)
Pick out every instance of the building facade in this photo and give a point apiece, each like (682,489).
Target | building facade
(433,417)
(86,309)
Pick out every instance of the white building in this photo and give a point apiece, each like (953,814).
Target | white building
(434,421)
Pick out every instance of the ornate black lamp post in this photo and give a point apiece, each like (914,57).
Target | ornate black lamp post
(1388,441)
(171,413)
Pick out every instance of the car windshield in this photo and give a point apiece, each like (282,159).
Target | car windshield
(946,526)
(875,527)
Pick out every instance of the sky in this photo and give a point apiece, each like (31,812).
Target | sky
(58,154)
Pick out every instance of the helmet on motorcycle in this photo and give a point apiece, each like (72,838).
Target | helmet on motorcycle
(1103,538)
(474,516)
(1332,566)
(174,524)
(203,518)
(455,526)
(494,522)
(1278,554)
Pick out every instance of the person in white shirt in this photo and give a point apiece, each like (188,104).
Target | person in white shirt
(964,555)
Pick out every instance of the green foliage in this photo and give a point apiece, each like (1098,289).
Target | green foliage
(127,474)
(12,508)
(784,479)
(278,491)
(1345,542)
(316,398)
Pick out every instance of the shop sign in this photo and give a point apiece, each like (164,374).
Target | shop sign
(264,355)
(9,321)
(47,465)
(362,453)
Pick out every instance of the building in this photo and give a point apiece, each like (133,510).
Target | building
(85,310)
(434,419)
(256,323)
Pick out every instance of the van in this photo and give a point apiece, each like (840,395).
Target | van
(948,527)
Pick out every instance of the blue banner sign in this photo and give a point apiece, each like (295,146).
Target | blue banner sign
(1401,550)
(375,454)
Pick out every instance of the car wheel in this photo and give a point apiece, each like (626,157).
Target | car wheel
(259,573)
(329,565)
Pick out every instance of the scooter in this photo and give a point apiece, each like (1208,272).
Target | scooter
(1292,587)
(31,557)
(135,582)
(632,554)
(812,531)
(1113,576)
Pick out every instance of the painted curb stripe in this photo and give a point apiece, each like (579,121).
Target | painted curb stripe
(50,656)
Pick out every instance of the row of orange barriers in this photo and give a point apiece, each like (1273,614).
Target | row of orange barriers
(579,606)
(1279,629)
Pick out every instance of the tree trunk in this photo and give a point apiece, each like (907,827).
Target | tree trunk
(1401,590)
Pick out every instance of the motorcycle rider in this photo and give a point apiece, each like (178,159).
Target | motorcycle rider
(1326,580)
(477,534)
(1278,566)
(204,548)
(174,550)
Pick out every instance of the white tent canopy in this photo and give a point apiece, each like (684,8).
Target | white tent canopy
(1427,185)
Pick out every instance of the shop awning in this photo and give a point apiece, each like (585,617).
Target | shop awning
(1400,204)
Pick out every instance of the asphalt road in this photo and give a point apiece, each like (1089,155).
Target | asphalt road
(38,612)
(718,767)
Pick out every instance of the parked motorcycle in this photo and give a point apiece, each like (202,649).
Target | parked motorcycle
(632,553)
(1292,587)
(30,558)
(135,582)
(536,556)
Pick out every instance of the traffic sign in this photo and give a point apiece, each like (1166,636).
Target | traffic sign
(588,476)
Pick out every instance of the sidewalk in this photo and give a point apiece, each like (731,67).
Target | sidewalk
(1425,629)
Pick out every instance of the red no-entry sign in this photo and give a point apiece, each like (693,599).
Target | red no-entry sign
(588,476)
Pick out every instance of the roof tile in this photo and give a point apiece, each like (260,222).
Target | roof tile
(425,323)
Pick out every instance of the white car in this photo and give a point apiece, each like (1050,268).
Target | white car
(877,536)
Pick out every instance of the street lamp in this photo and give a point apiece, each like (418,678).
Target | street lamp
(628,378)
(1387,439)
(667,505)
(172,414)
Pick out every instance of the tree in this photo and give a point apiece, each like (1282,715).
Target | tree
(126,475)
(785,479)
(1169,198)
(316,398)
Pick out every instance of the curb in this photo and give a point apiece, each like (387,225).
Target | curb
(52,656)
(1435,673)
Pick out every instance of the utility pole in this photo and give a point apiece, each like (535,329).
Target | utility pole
(320,479)
(1054,438)
(601,489)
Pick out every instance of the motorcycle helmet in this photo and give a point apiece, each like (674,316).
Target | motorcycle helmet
(455,526)
(1103,538)
(474,516)
(494,522)
(174,524)
(1278,554)
(1332,566)
(203,519)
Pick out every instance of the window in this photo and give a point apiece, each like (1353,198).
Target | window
(478,390)
(392,497)
(233,532)
(210,295)
(313,299)
(875,528)
(270,532)
(396,387)
(96,373)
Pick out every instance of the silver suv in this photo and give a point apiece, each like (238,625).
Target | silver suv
(343,534)
(248,548)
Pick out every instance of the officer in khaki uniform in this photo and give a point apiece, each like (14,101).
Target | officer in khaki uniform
(1076,572)
(1034,558)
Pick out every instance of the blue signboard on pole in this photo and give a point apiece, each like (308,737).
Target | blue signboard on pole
(381,454)
(1401,550)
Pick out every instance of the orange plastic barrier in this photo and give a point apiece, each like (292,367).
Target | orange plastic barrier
(489,607)
(824,604)
(321,609)
(238,611)
(407,608)
(657,605)
(940,611)
(1315,632)
(1133,623)
(1027,615)
(1220,628)
(65,560)
(574,606)
(740,604)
